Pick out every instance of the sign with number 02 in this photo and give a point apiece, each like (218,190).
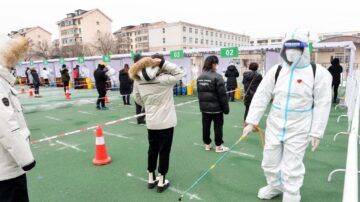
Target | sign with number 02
(229,52)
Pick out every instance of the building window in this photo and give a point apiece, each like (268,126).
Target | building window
(163,30)
(202,41)
(196,40)
(221,35)
(184,29)
(196,31)
(202,32)
(224,44)
(212,43)
(79,30)
(220,43)
(79,23)
(184,39)
(190,40)
(207,33)
(164,49)
(211,33)
(216,43)
(163,40)
(184,47)
(207,42)
(97,23)
(190,30)
(39,36)
(216,34)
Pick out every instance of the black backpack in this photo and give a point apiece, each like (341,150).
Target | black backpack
(313,65)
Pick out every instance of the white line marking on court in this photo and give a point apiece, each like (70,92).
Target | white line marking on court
(233,152)
(194,113)
(236,126)
(83,112)
(53,118)
(70,146)
(117,135)
(191,196)
(134,123)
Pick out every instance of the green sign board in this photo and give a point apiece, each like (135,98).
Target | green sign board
(176,54)
(81,60)
(45,62)
(133,55)
(62,61)
(310,48)
(229,52)
(31,63)
(106,58)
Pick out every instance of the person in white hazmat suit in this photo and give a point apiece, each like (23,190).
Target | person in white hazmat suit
(15,154)
(300,110)
(112,76)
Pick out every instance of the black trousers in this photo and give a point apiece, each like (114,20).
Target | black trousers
(247,107)
(336,87)
(46,82)
(218,120)
(126,99)
(14,190)
(160,142)
(231,95)
(37,87)
(101,98)
(139,110)
(66,84)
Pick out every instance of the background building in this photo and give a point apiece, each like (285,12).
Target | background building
(36,35)
(266,41)
(183,35)
(83,28)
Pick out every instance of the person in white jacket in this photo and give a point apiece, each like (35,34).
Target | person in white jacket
(301,94)
(153,89)
(15,154)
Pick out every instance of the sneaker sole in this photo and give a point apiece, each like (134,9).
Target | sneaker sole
(152,185)
(161,189)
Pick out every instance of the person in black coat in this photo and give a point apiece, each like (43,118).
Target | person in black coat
(36,82)
(335,70)
(251,82)
(65,77)
(213,103)
(231,74)
(125,84)
(100,82)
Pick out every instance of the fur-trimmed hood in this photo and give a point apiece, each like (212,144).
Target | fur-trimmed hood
(13,51)
(138,66)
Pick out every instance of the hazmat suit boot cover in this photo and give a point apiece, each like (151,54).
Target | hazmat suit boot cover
(291,198)
(269,192)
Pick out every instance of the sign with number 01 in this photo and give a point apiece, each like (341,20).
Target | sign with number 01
(62,61)
(176,54)
(45,62)
(31,63)
(229,52)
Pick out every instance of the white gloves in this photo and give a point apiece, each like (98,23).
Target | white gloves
(247,130)
(314,143)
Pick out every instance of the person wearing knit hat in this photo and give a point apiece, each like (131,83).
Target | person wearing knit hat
(16,157)
(100,82)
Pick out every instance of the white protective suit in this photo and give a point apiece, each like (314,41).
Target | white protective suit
(292,120)
(112,75)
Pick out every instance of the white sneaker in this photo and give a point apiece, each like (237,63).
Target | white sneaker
(207,147)
(221,148)
(268,192)
(163,184)
(153,181)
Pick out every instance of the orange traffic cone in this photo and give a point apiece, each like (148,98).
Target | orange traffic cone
(22,89)
(101,156)
(106,99)
(67,93)
(30,92)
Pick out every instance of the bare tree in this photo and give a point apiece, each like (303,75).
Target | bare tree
(105,43)
(41,50)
